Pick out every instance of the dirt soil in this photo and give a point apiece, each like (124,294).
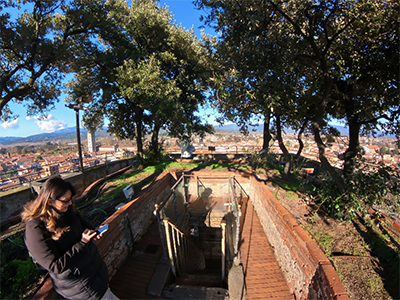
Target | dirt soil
(364,252)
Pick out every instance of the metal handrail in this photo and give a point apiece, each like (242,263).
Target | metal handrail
(199,183)
(171,190)
(235,206)
(238,183)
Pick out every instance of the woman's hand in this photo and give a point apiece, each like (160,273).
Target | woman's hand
(87,235)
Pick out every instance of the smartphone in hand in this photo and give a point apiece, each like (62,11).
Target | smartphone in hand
(102,229)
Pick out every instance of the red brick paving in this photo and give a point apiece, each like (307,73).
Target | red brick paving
(263,277)
(132,278)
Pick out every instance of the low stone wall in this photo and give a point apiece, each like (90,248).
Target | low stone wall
(126,228)
(81,180)
(11,203)
(211,156)
(308,271)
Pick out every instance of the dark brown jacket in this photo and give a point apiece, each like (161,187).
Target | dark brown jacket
(77,269)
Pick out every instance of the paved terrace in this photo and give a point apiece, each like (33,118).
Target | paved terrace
(279,259)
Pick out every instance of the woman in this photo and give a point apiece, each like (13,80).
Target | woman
(60,241)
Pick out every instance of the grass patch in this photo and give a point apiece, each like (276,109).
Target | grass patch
(325,240)
(291,195)
(18,272)
(289,186)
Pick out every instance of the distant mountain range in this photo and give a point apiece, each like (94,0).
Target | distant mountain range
(68,133)
(232,127)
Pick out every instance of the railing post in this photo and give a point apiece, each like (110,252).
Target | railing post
(230,195)
(175,208)
(185,188)
(239,214)
(223,243)
(157,214)
(167,233)
(175,243)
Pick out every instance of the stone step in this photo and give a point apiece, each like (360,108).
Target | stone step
(195,292)
(203,278)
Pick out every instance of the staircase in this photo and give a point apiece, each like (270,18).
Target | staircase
(209,240)
(194,247)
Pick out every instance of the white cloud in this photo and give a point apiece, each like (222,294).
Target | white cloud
(11,124)
(49,123)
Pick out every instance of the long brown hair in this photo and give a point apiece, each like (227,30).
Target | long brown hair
(41,209)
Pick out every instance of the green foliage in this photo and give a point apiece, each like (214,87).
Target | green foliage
(287,185)
(370,186)
(153,157)
(26,269)
(302,64)
(36,47)
(153,68)
(216,166)
(262,161)
(10,173)
(18,272)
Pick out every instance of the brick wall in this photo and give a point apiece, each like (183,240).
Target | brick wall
(307,270)
(130,223)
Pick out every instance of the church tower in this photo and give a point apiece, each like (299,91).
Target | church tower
(91,142)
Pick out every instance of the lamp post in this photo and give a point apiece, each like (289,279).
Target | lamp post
(78,107)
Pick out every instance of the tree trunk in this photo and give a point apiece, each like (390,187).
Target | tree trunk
(354,143)
(267,137)
(282,146)
(300,140)
(138,130)
(324,161)
(154,139)
(317,120)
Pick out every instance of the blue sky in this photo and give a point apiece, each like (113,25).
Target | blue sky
(61,117)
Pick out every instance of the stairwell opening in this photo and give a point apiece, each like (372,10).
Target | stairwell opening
(199,225)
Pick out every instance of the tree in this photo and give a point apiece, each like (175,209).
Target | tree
(36,48)
(254,79)
(11,172)
(314,38)
(241,81)
(366,81)
(152,69)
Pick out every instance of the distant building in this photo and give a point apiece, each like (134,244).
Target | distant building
(112,148)
(91,142)
(51,169)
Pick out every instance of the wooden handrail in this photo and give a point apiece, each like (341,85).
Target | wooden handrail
(223,245)
(184,255)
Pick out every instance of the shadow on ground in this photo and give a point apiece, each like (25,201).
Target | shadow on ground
(389,261)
